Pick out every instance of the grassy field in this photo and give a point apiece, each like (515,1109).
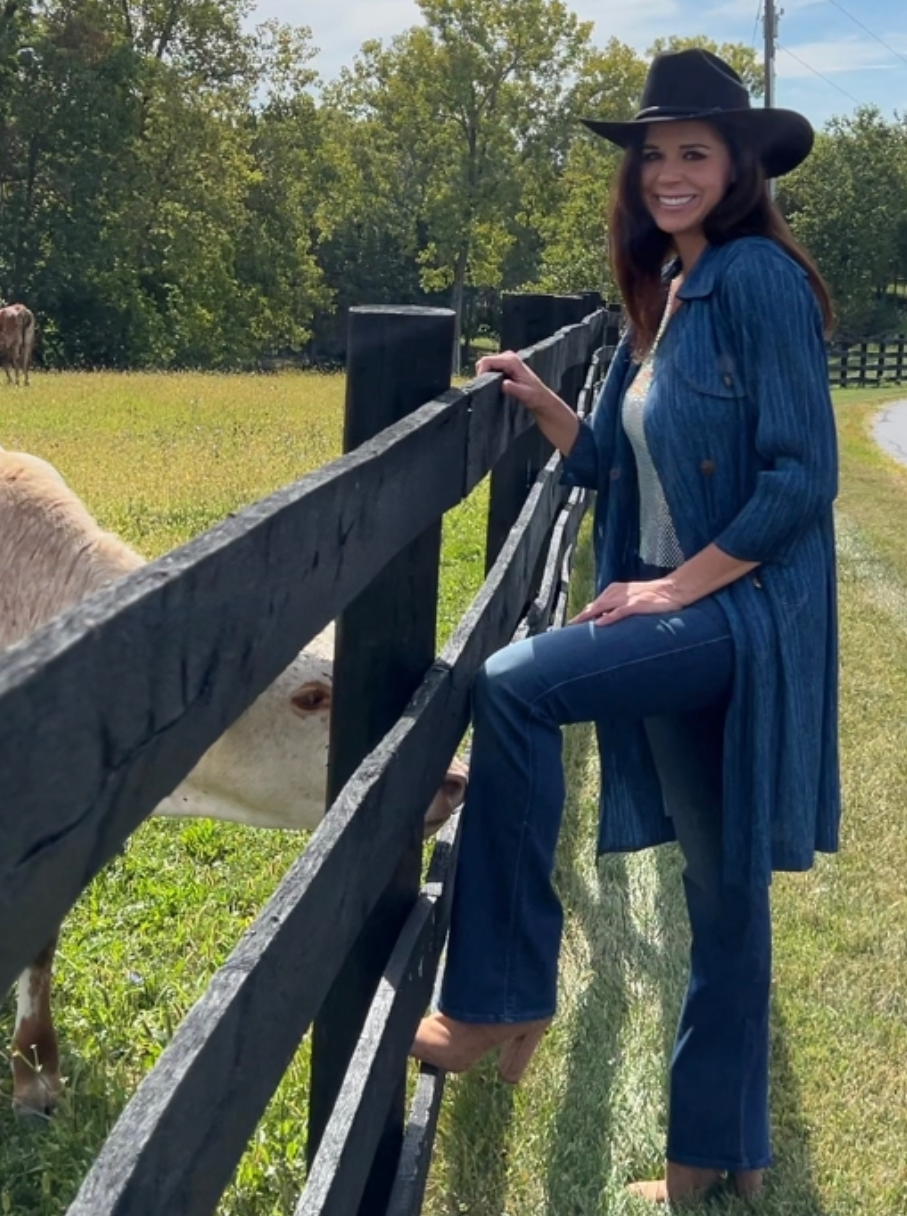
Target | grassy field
(158,459)
(161,458)
(591,1113)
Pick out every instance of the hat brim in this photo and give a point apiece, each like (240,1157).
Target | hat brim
(782,138)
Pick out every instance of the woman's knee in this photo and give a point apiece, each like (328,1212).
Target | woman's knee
(502,682)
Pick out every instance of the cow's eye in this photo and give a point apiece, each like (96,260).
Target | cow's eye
(311,699)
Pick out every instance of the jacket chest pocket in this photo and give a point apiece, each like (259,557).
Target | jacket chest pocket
(709,374)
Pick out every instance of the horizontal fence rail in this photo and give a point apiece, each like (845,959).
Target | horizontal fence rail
(176,1145)
(247,595)
(862,364)
(415,1157)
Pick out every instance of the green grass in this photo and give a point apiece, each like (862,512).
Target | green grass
(590,1115)
(159,458)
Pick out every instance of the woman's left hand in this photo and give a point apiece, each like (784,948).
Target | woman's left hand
(629,599)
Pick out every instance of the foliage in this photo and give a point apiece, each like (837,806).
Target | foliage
(177,190)
(847,203)
(159,458)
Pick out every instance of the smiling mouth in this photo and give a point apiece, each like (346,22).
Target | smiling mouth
(675,202)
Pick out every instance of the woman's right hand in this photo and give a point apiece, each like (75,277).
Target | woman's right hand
(519,380)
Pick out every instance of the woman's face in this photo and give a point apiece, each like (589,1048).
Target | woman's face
(686,170)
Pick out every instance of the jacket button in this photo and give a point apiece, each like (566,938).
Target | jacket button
(615,473)
(707,467)
(728,379)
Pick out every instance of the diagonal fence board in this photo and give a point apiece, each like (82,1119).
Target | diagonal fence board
(415,1152)
(247,595)
(335,1181)
(408,1193)
(336,1178)
(497,421)
(176,1145)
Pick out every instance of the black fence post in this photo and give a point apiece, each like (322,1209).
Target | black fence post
(398,359)
(526,318)
(612,326)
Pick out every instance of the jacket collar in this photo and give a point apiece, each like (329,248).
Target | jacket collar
(701,280)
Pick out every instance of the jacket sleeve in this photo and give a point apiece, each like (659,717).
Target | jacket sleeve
(591,453)
(774,326)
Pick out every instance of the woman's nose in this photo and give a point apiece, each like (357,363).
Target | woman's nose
(669,171)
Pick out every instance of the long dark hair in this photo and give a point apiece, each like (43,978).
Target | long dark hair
(640,250)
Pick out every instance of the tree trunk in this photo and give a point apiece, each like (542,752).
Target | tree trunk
(26,219)
(457,304)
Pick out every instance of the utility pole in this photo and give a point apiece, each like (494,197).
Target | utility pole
(770,25)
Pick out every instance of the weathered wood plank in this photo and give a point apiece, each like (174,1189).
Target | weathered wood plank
(336,1181)
(408,1194)
(497,420)
(385,644)
(135,684)
(415,1155)
(539,614)
(175,1146)
(246,595)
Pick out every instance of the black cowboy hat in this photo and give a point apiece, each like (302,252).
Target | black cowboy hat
(695,84)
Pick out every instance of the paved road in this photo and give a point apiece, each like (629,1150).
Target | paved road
(890,430)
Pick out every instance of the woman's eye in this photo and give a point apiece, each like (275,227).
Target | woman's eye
(691,155)
(648,157)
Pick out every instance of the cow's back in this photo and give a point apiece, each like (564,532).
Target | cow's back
(52,552)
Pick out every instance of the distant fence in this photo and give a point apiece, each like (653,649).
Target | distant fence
(862,364)
(104,711)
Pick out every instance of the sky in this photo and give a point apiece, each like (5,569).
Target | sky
(831,55)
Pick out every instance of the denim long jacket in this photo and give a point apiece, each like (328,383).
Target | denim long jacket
(741,431)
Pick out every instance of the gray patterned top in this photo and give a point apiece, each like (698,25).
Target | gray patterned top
(658,544)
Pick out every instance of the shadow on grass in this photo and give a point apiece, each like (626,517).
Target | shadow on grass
(791,1179)
(789,1184)
(579,1163)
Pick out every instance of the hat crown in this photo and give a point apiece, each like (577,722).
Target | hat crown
(693,81)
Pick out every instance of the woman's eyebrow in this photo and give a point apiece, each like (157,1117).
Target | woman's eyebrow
(683,147)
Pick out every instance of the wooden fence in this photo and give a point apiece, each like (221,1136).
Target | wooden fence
(106,709)
(862,364)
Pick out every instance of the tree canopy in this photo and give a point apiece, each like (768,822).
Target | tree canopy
(176,190)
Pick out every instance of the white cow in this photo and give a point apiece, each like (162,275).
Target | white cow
(268,770)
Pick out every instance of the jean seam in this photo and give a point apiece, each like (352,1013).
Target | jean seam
(508,956)
(588,675)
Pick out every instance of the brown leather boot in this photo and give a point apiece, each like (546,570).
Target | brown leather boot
(456,1046)
(681,1184)
(747,1184)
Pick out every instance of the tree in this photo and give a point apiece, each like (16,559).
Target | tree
(846,204)
(459,108)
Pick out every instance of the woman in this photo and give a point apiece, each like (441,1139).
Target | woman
(708,658)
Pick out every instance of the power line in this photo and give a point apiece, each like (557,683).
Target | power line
(868,30)
(756,25)
(819,74)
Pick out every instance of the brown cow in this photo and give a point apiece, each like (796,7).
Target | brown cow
(17,339)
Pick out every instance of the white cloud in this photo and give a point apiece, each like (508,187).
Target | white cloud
(339,27)
(813,29)
(745,10)
(828,58)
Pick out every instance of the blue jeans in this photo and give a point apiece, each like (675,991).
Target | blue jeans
(674,672)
